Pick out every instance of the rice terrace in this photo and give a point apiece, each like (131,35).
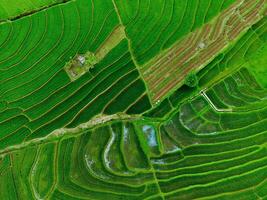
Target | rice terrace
(133,99)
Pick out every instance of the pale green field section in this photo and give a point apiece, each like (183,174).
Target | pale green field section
(12,8)
(258,65)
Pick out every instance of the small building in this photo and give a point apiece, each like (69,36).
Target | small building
(81,59)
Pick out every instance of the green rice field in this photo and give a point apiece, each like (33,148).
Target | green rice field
(96,101)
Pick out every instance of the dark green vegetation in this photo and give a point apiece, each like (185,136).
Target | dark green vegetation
(191,79)
(12,9)
(99,137)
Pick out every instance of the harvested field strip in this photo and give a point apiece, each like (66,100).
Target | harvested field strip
(112,41)
(162,78)
(169,22)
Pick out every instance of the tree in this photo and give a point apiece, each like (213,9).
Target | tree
(191,79)
(90,59)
